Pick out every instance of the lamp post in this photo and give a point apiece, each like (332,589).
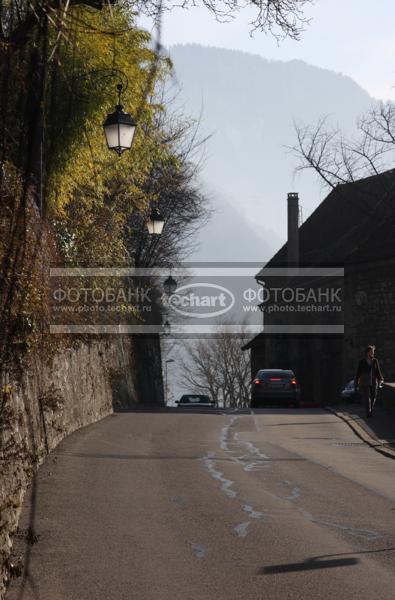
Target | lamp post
(155,222)
(170,285)
(119,128)
(169,360)
(166,328)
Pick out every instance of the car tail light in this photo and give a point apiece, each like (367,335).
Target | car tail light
(293,382)
(275,379)
(257,382)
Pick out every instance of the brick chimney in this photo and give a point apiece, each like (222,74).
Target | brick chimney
(293,230)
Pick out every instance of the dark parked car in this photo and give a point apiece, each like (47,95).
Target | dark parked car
(271,386)
(349,392)
(193,400)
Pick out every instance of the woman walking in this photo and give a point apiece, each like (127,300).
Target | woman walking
(368,378)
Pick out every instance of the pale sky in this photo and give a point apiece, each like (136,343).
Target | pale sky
(354,37)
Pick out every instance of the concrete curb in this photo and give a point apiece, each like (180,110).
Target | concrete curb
(373,442)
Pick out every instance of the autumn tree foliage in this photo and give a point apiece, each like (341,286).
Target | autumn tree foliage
(65,199)
(63,196)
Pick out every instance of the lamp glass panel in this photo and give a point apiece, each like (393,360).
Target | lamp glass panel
(111,133)
(126,134)
(119,136)
(158,226)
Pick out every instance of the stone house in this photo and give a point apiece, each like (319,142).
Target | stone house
(352,229)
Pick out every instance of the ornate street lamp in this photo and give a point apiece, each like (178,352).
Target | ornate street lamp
(155,222)
(170,285)
(119,128)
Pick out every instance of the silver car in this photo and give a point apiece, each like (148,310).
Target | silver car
(271,386)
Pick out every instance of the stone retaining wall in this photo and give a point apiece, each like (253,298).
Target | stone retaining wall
(81,386)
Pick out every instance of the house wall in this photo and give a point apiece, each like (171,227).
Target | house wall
(316,360)
(324,364)
(370,315)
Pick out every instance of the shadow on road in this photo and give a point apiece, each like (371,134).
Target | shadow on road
(328,561)
(381,426)
(169,409)
(310,565)
(147,408)
(300,423)
(164,457)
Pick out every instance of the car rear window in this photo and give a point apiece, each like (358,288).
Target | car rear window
(195,399)
(275,374)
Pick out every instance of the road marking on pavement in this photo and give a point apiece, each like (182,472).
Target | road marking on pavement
(255,421)
(354,531)
(254,514)
(226,483)
(259,461)
(179,500)
(242,529)
(295,492)
(198,549)
(225,435)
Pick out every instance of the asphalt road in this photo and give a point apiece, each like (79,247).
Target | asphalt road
(280,504)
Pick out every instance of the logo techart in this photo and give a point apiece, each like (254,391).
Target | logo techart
(201,300)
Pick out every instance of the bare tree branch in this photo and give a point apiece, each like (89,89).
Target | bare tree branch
(220,367)
(281,18)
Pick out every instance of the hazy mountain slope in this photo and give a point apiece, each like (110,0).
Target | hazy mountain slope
(249,104)
(228,236)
